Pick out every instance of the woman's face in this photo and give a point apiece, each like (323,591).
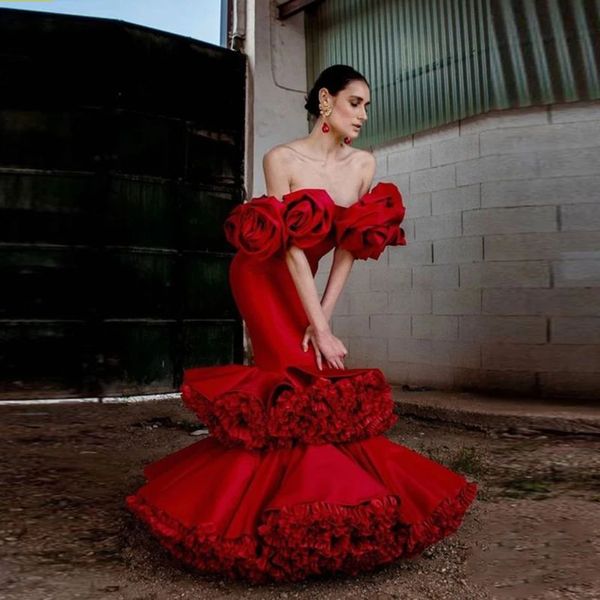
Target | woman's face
(349,108)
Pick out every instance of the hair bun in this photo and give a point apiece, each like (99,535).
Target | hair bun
(335,78)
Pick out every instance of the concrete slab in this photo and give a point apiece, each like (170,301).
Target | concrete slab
(518,416)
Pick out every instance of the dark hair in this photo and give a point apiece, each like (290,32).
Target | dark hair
(334,78)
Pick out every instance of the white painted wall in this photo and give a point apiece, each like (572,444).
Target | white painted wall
(277,85)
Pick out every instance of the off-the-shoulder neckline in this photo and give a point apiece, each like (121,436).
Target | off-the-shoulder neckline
(328,194)
(376,186)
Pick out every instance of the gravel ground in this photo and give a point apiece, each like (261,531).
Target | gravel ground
(533,532)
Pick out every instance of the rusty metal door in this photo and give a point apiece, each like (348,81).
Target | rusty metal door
(121,153)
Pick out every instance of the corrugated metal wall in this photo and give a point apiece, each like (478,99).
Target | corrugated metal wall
(431,62)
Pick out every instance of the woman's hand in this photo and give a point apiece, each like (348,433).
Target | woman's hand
(326,344)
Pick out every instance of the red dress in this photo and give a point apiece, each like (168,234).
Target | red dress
(296,478)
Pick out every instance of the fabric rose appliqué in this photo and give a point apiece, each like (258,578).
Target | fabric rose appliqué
(372,223)
(256,227)
(308,216)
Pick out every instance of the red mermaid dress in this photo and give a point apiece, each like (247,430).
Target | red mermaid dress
(296,477)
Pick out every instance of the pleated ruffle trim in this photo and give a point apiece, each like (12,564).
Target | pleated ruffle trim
(327,410)
(295,542)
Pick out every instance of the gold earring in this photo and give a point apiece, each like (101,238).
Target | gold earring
(325,109)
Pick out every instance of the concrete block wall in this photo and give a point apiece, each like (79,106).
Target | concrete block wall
(498,289)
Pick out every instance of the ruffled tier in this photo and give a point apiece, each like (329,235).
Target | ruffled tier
(254,408)
(287,514)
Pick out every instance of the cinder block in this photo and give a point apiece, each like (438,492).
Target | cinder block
(510,220)
(395,372)
(358,280)
(575,161)
(434,327)
(390,279)
(575,111)
(409,350)
(500,274)
(456,302)
(381,169)
(540,137)
(417,205)
(439,378)
(438,226)
(541,357)
(410,160)
(320,282)
(456,354)
(402,143)
(435,277)
(580,217)
(415,253)
(466,197)
(434,136)
(496,119)
(408,226)
(570,385)
(551,302)
(367,303)
(411,302)
(577,273)
(558,245)
(575,330)
(434,352)
(342,305)
(350,325)
(365,351)
(385,326)
(495,168)
(518,330)
(558,190)
(455,150)
(456,250)
(489,380)
(436,178)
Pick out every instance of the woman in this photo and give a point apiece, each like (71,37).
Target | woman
(297,478)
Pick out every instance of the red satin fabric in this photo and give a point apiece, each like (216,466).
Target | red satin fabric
(296,478)
(266,297)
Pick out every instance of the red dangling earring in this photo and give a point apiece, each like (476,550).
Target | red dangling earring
(324,127)
(347,140)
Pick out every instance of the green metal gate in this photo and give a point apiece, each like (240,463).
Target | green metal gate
(121,153)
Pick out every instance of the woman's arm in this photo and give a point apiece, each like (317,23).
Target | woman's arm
(324,341)
(342,259)
(276,168)
(277,185)
(340,269)
(305,284)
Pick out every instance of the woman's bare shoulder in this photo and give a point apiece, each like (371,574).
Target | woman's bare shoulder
(281,153)
(277,168)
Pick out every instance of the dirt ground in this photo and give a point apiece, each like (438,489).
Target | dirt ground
(533,532)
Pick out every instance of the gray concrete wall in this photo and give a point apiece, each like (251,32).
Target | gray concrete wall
(498,288)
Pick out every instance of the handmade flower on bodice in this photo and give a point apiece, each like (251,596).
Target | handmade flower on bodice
(264,226)
(372,223)
(256,227)
(308,216)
